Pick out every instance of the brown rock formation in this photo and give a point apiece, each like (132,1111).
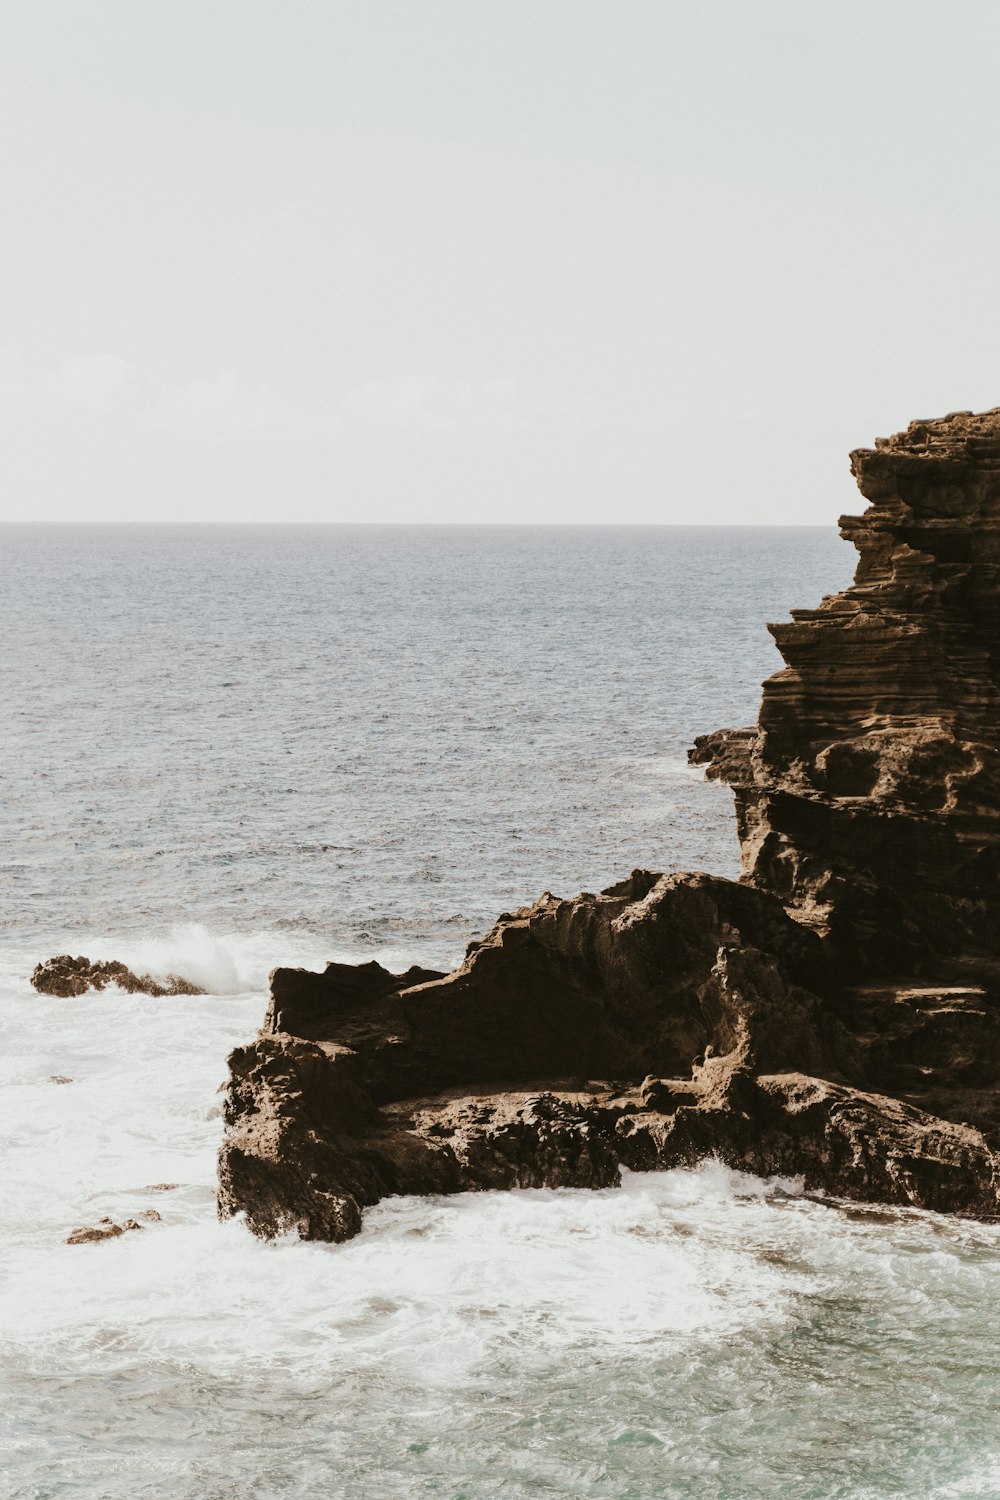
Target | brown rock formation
(869,795)
(109,1229)
(831,1016)
(66,977)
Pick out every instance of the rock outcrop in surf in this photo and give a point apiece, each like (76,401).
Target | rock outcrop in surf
(834,1015)
(66,977)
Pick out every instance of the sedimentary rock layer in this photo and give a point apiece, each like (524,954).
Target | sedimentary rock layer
(831,1016)
(868,796)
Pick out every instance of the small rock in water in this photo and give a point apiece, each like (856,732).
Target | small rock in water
(67,977)
(90,1235)
(60,1078)
(107,1229)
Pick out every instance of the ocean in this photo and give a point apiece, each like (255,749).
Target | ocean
(226,748)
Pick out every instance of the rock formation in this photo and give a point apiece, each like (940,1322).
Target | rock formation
(832,1016)
(868,796)
(66,977)
(109,1229)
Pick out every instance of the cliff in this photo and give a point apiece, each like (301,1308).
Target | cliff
(833,1015)
(868,796)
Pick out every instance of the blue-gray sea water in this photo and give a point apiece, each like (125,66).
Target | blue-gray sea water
(225,748)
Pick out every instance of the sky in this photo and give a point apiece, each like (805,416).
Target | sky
(567,261)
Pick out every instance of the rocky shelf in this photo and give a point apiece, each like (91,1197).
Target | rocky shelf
(833,1015)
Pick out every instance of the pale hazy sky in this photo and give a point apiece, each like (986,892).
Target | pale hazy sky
(487,260)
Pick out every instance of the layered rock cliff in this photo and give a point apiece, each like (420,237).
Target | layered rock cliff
(832,1016)
(868,796)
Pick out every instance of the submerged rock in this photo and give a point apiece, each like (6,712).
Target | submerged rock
(832,1016)
(104,1229)
(110,1229)
(66,976)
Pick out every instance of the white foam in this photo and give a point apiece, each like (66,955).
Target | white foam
(437,1286)
(701,1320)
(222,963)
(982,1484)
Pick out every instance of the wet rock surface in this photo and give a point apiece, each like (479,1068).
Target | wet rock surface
(832,1016)
(66,977)
(110,1229)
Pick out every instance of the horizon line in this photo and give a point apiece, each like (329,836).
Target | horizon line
(456,525)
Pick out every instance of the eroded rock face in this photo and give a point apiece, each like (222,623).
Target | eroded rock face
(832,1016)
(479,1078)
(66,977)
(869,794)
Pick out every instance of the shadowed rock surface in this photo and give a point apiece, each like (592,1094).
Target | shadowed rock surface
(831,1016)
(65,976)
(868,796)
